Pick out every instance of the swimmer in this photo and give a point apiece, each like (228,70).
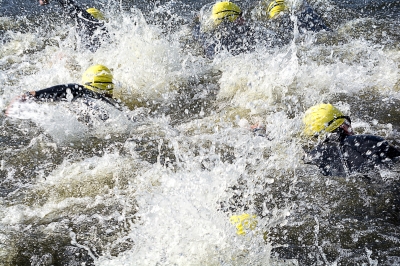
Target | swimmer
(341,152)
(222,27)
(278,13)
(89,23)
(97,84)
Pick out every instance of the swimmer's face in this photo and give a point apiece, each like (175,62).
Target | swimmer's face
(43,2)
(346,126)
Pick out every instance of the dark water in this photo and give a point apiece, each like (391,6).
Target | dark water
(156,183)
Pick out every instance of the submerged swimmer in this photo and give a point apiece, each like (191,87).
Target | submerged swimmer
(278,14)
(222,27)
(342,153)
(89,23)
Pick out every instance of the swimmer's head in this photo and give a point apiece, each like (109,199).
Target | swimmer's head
(244,222)
(95,13)
(275,7)
(323,118)
(225,11)
(98,78)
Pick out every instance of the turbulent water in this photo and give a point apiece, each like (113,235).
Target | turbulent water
(156,183)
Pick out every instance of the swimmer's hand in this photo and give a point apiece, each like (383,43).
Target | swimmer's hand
(259,129)
(44,2)
(20,98)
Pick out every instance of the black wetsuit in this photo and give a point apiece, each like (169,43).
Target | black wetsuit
(91,31)
(71,92)
(344,155)
(227,36)
(309,20)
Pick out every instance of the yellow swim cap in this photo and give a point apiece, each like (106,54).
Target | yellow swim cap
(225,10)
(95,13)
(275,7)
(243,222)
(322,117)
(98,78)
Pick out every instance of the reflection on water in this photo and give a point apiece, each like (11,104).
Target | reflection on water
(156,183)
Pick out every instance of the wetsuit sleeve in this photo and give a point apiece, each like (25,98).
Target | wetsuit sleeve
(61,92)
(393,152)
(70,92)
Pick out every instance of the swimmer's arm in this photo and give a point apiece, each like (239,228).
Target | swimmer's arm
(393,153)
(58,92)
(55,93)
